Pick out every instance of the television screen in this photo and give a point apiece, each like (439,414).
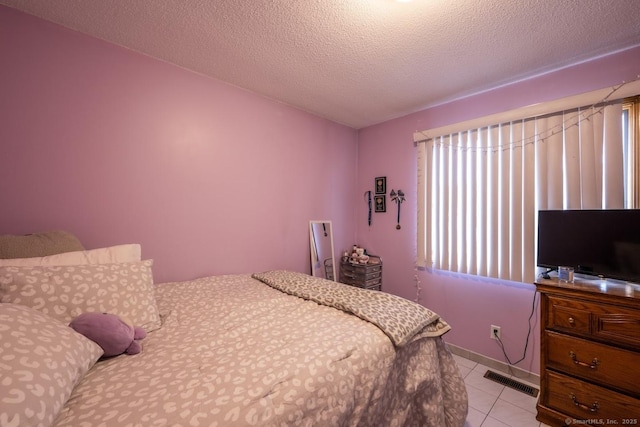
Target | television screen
(595,242)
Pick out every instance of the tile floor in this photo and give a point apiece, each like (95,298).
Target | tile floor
(492,404)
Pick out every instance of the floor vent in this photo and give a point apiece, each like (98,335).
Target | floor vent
(516,385)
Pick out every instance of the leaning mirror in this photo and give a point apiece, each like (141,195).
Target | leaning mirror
(321,242)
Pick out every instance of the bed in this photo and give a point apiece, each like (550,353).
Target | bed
(276,348)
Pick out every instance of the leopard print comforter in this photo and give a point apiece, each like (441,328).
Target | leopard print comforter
(397,317)
(233,351)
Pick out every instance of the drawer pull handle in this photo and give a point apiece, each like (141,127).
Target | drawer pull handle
(591,365)
(592,408)
(571,321)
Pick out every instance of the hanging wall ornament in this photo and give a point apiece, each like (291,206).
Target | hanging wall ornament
(398,198)
(367,196)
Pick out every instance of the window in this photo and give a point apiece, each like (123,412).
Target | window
(631,138)
(479,189)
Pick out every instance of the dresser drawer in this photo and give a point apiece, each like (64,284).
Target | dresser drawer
(362,268)
(569,315)
(374,287)
(362,276)
(607,323)
(617,325)
(373,282)
(600,363)
(585,401)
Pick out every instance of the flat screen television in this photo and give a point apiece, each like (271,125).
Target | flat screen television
(602,243)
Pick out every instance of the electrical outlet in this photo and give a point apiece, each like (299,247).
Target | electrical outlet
(495,332)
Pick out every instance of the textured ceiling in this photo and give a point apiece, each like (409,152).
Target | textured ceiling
(357,62)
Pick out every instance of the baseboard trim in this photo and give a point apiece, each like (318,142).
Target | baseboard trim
(497,365)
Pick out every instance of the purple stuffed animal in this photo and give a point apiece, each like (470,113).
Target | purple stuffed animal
(110,332)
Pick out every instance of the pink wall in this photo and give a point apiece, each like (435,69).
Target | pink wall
(211,179)
(118,147)
(469,304)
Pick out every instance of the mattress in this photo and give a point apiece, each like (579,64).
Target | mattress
(235,351)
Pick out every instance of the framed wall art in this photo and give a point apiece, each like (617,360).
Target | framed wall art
(381,185)
(380,203)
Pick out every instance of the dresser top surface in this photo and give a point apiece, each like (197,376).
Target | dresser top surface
(609,287)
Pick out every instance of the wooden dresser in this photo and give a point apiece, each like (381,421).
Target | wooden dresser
(590,353)
(367,276)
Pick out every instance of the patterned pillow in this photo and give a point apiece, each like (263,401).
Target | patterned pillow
(41,361)
(64,292)
(110,255)
(38,244)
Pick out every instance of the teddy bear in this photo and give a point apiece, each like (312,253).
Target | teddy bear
(114,334)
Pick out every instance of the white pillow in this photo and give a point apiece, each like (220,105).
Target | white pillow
(110,255)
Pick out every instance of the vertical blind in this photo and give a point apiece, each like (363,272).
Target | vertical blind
(479,190)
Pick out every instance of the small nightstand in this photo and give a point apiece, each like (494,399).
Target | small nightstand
(368,276)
